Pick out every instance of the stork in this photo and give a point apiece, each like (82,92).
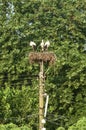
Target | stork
(42,45)
(33,45)
(47,44)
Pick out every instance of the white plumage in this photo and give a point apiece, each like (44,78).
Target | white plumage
(42,45)
(47,44)
(33,45)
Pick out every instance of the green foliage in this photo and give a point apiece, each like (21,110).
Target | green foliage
(17,106)
(60,128)
(13,127)
(80,125)
(63,23)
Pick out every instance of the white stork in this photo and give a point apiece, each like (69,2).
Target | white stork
(47,44)
(33,45)
(42,45)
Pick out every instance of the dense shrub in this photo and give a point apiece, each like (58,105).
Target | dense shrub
(80,125)
(60,128)
(13,127)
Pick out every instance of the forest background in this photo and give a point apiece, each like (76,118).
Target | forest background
(63,23)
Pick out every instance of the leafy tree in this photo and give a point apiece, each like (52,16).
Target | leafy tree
(19,106)
(64,24)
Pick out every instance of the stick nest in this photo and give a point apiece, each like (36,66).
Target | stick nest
(42,56)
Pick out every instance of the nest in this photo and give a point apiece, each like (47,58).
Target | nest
(42,56)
